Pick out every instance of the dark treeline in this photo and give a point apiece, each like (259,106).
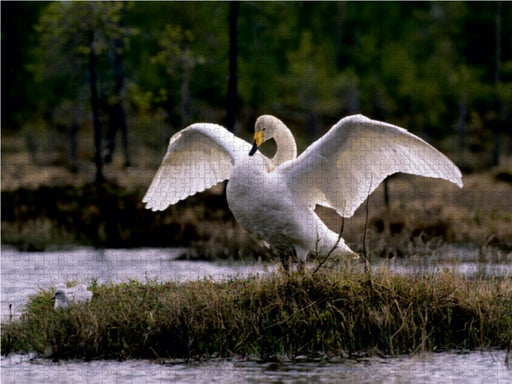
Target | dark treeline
(442,70)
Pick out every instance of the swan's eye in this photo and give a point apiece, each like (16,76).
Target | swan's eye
(264,129)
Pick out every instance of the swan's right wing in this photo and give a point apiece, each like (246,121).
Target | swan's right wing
(349,162)
(198,157)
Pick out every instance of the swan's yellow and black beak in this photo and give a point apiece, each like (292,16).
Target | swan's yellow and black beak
(258,139)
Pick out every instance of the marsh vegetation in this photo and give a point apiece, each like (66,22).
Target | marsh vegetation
(112,215)
(336,312)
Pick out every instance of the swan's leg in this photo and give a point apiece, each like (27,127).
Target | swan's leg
(285,260)
(287,255)
(294,253)
(301,255)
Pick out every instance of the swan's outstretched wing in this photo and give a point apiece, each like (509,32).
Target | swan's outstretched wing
(349,162)
(198,157)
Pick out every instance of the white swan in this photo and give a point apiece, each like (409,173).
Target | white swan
(274,199)
(64,296)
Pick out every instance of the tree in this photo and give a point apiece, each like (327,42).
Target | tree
(18,39)
(117,111)
(311,83)
(232,99)
(73,37)
(177,55)
(95,107)
(431,67)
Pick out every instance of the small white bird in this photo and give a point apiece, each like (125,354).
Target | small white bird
(274,199)
(64,296)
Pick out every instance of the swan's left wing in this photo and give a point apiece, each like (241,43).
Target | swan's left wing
(349,162)
(198,157)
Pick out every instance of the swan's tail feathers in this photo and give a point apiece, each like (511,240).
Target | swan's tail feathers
(345,252)
(337,249)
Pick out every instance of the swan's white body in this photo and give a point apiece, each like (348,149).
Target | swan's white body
(274,199)
(64,296)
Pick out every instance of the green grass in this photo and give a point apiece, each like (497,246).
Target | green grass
(334,312)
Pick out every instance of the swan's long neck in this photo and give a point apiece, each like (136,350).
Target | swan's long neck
(286,147)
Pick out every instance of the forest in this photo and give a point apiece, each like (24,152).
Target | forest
(92,92)
(147,69)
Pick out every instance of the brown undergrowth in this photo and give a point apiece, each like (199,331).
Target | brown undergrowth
(45,204)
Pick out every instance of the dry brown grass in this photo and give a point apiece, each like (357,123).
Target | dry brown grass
(481,213)
(420,208)
(337,312)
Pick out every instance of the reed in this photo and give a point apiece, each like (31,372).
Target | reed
(334,312)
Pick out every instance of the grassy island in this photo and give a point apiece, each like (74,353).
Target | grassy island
(333,312)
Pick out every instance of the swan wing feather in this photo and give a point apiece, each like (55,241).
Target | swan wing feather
(198,157)
(78,293)
(349,162)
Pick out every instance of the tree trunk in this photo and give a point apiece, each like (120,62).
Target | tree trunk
(497,104)
(73,142)
(497,62)
(185,86)
(95,110)
(461,124)
(341,11)
(118,116)
(233,67)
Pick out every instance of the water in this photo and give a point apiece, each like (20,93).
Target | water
(23,274)
(465,259)
(474,367)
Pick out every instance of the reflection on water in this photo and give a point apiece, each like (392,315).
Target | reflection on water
(474,367)
(24,273)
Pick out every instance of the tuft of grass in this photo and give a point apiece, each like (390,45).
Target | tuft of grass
(339,312)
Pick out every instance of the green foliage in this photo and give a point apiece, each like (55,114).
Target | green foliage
(311,80)
(175,50)
(338,312)
(414,64)
(59,60)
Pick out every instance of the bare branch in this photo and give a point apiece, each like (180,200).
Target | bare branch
(365,252)
(322,262)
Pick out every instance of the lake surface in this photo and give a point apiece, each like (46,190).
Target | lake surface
(23,274)
(474,367)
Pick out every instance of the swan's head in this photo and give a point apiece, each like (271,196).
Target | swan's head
(266,127)
(60,296)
